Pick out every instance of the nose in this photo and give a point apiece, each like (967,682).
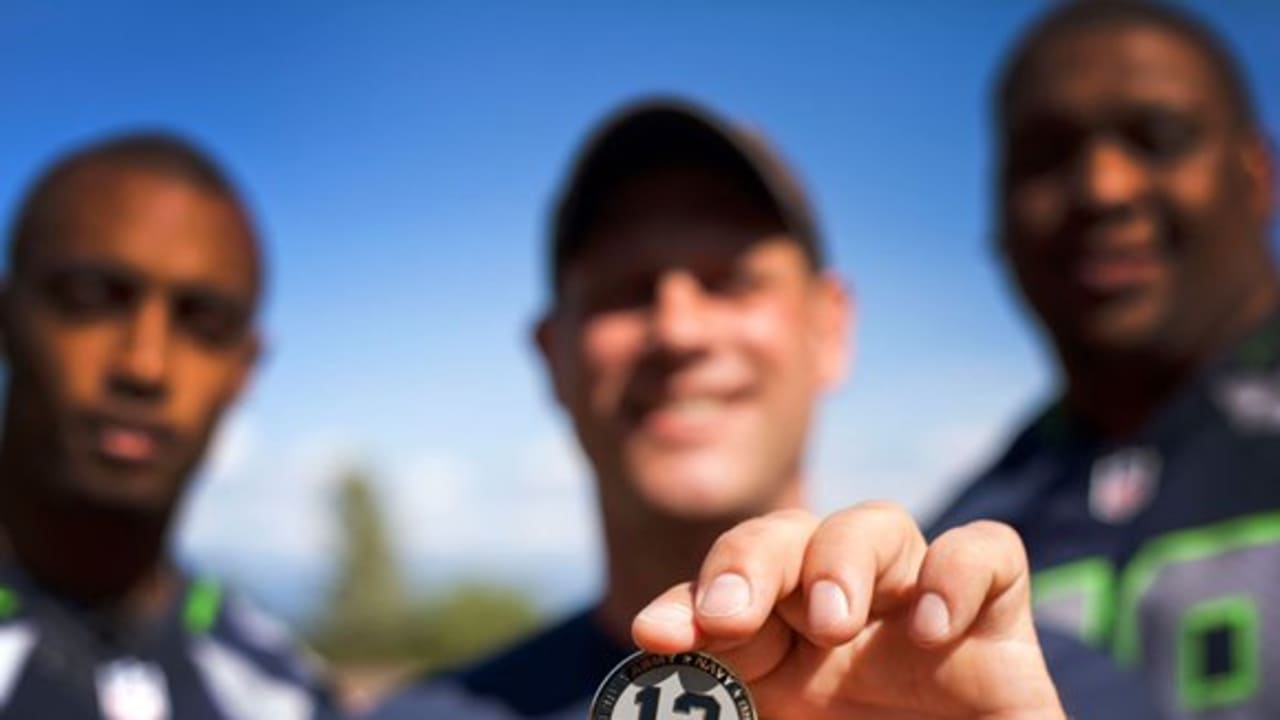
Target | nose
(680,320)
(141,369)
(1108,176)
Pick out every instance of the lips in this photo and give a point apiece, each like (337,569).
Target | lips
(125,444)
(126,441)
(685,419)
(1112,271)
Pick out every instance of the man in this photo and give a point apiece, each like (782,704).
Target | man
(692,330)
(128,326)
(1136,195)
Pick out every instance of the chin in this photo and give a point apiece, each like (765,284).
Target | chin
(699,511)
(1118,327)
(1124,332)
(127,491)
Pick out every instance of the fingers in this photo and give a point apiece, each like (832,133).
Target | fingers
(745,574)
(748,571)
(860,561)
(666,625)
(824,579)
(975,573)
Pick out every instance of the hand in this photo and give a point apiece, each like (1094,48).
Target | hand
(856,617)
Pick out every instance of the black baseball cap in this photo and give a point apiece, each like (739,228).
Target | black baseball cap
(658,134)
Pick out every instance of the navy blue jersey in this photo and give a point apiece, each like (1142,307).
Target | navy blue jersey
(554,675)
(212,657)
(1164,549)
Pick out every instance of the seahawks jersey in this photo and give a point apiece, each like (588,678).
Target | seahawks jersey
(1163,549)
(212,657)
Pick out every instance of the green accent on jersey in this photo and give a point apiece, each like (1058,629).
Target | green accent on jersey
(1093,581)
(204,601)
(1176,548)
(8,603)
(1197,689)
(1261,350)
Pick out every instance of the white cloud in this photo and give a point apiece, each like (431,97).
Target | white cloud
(538,505)
(231,447)
(554,462)
(918,470)
(278,506)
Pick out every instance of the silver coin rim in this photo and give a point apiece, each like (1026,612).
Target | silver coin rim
(671,660)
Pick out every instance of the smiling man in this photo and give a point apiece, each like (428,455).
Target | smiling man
(1136,194)
(691,331)
(129,328)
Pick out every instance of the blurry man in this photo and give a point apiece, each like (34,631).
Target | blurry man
(128,326)
(1136,194)
(691,331)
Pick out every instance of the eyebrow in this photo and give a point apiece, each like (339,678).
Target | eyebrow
(205,291)
(121,272)
(114,270)
(1110,111)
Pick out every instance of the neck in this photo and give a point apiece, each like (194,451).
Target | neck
(1118,394)
(649,552)
(85,553)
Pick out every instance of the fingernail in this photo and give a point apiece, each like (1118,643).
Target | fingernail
(727,595)
(666,614)
(932,620)
(828,607)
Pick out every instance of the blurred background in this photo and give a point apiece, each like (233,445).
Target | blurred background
(400,455)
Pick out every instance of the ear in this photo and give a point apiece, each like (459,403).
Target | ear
(834,325)
(1259,161)
(546,336)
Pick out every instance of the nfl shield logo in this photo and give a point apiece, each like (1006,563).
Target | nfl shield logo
(130,689)
(1123,484)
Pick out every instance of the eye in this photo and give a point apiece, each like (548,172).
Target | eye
(733,281)
(1162,136)
(1041,146)
(86,294)
(610,292)
(209,317)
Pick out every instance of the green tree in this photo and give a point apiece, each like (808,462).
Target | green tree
(468,621)
(370,617)
(367,604)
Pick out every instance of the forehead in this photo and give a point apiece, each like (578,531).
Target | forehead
(1094,69)
(163,228)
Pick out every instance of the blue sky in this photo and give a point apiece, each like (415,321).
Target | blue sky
(401,157)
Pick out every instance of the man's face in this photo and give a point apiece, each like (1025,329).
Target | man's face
(690,344)
(1134,200)
(128,333)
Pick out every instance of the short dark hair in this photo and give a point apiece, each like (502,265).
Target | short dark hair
(1092,14)
(161,153)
